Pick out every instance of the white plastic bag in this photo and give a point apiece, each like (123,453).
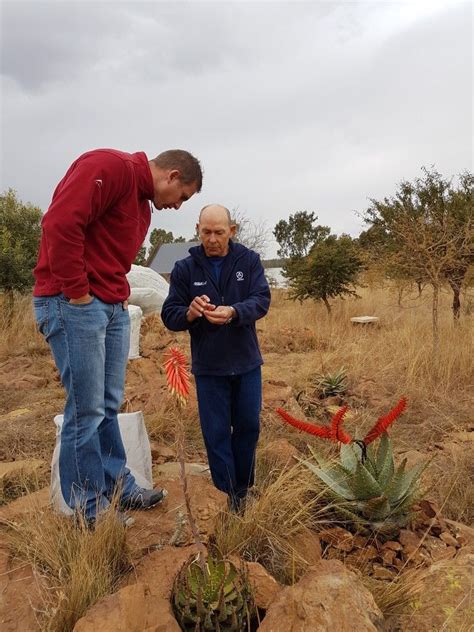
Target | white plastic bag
(135,314)
(147,298)
(148,289)
(137,448)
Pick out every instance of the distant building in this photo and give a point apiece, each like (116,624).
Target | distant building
(164,256)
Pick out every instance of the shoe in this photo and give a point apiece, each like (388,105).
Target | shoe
(90,523)
(144,499)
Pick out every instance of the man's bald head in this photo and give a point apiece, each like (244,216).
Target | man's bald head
(215,211)
(215,230)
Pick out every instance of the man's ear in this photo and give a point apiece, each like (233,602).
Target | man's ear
(174,174)
(197,228)
(233,230)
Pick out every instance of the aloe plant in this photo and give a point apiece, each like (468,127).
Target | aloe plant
(366,488)
(215,597)
(333,383)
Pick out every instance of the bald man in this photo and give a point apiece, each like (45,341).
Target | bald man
(217,294)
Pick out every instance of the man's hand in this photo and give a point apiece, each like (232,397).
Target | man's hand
(199,305)
(221,315)
(82,300)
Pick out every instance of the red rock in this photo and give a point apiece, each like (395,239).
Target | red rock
(392,545)
(380,572)
(338,537)
(449,539)
(409,539)
(328,597)
(266,587)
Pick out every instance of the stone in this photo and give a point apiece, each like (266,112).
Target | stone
(31,381)
(308,546)
(391,544)
(328,597)
(449,539)
(266,587)
(380,572)
(161,453)
(388,557)
(338,538)
(360,558)
(172,470)
(37,501)
(276,393)
(364,320)
(131,609)
(409,539)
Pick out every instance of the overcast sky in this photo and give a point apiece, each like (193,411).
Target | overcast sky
(289,106)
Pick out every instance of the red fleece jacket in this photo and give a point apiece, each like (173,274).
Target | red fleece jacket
(95,225)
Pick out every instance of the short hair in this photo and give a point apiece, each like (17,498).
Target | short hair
(186,163)
(227,212)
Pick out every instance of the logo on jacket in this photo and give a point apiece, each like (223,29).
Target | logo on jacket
(200,283)
(239,275)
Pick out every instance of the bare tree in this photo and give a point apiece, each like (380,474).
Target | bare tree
(251,233)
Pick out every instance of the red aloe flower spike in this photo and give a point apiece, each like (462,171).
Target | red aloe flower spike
(385,421)
(337,433)
(320,431)
(177,374)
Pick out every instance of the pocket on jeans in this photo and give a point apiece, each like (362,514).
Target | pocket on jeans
(41,310)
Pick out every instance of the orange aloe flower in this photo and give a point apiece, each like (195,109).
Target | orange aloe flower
(385,421)
(177,374)
(333,432)
(337,433)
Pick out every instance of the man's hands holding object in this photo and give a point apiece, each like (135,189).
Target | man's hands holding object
(202,306)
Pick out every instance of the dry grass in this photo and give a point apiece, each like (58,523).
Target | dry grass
(20,335)
(282,511)
(396,598)
(299,342)
(76,566)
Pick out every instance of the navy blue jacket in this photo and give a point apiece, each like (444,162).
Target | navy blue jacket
(220,349)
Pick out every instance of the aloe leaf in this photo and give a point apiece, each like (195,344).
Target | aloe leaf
(349,458)
(364,485)
(385,464)
(377,508)
(321,461)
(383,450)
(403,481)
(338,488)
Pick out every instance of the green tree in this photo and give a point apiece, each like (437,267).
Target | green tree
(20,232)
(140,259)
(427,229)
(329,271)
(298,235)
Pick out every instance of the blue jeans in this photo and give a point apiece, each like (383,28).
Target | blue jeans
(90,346)
(229,411)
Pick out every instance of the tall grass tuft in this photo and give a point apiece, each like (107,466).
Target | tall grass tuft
(76,566)
(275,518)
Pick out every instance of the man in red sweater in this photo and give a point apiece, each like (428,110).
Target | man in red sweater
(97,221)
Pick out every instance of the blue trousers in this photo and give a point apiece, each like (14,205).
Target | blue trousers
(90,346)
(229,411)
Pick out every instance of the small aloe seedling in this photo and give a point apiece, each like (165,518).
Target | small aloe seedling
(365,486)
(331,384)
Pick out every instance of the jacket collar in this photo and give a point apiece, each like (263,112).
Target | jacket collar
(143,175)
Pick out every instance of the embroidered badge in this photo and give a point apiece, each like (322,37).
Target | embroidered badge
(239,275)
(200,283)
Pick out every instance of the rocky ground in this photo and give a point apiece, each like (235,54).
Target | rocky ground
(331,595)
